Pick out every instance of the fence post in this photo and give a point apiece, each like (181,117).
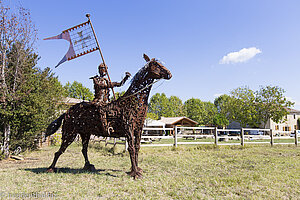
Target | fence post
(242,136)
(175,136)
(296,137)
(272,137)
(216,135)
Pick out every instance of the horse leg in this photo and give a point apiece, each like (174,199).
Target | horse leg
(137,144)
(134,170)
(85,143)
(66,141)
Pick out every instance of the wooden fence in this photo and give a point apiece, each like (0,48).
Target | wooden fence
(265,136)
(214,135)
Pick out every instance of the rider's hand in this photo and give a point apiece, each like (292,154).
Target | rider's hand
(94,77)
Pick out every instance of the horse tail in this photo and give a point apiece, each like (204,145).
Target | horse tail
(54,126)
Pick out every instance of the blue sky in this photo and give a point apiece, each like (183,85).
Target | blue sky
(191,37)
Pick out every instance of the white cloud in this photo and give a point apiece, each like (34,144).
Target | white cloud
(243,55)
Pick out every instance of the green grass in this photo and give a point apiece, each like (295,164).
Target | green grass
(187,172)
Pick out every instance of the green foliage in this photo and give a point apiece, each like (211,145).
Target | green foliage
(119,94)
(220,120)
(162,106)
(32,105)
(152,116)
(78,91)
(56,139)
(271,104)
(243,107)
(253,108)
(199,111)
(223,104)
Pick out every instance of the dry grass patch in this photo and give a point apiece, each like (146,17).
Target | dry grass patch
(188,172)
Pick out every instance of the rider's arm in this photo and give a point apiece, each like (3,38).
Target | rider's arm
(119,84)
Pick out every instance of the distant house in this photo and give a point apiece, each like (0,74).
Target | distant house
(286,127)
(178,121)
(151,125)
(289,125)
(71,101)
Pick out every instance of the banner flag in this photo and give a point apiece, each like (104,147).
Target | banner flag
(82,41)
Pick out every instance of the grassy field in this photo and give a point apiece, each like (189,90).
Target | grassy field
(188,172)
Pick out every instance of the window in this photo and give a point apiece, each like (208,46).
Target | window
(276,127)
(295,127)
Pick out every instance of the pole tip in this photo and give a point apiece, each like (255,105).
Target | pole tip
(87,15)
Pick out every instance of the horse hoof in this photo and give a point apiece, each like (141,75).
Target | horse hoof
(51,170)
(139,170)
(89,167)
(136,175)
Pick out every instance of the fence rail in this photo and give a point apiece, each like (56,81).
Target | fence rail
(214,136)
(239,135)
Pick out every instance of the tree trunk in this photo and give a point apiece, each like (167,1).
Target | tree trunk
(5,147)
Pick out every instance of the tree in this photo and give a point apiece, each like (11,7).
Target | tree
(159,105)
(243,108)
(152,116)
(78,91)
(223,104)
(271,104)
(17,36)
(202,112)
(28,95)
(176,107)
(220,120)
(253,108)
(162,106)
(209,114)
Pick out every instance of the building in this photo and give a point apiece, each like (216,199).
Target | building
(69,101)
(178,121)
(288,125)
(156,127)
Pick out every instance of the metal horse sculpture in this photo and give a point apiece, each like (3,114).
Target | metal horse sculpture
(123,117)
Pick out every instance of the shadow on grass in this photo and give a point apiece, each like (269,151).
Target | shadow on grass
(74,171)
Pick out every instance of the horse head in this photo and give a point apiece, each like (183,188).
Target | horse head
(144,78)
(156,70)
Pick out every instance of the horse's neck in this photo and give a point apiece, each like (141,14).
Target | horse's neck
(140,89)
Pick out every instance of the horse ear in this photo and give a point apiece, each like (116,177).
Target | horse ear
(146,58)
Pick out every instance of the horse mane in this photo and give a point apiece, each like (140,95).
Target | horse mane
(140,73)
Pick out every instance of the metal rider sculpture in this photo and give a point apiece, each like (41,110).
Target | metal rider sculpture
(102,85)
(124,117)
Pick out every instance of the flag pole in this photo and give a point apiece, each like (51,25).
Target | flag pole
(88,16)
